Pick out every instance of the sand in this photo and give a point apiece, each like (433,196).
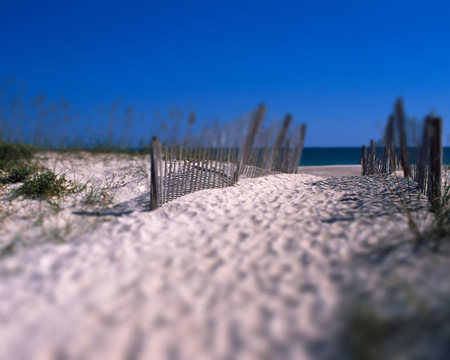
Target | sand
(254,271)
(331,171)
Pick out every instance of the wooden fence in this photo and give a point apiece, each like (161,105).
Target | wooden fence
(419,157)
(222,155)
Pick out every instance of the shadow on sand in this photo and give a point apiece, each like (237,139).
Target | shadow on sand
(370,197)
(140,204)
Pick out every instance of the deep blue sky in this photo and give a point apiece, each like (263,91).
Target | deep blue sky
(336,65)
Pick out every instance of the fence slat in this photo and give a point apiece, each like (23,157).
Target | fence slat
(435,179)
(392,144)
(404,153)
(170,175)
(279,142)
(194,174)
(371,161)
(160,164)
(298,155)
(389,147)
(244,155)
(154,185)
(363,160)
(424,155)
(179,171)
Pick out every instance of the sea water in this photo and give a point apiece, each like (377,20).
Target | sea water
(341,156)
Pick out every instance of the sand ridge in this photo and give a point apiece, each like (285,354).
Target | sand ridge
(247,272)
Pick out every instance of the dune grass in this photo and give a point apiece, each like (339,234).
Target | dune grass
(13,153)
(18,173)
(47,184)
(38,182)
(439,228)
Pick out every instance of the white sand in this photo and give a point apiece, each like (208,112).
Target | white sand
(331,171)
(253,271)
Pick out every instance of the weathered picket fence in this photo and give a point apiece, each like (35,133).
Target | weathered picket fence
(222,155)
(413,147)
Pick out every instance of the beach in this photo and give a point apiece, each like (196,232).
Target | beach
(266,269)
(331,170)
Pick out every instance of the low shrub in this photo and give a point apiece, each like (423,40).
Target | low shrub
(100,196)
(47,184)
(440,225)
(19,173)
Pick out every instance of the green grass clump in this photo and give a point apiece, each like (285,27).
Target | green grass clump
(47,184)
(18,173)
(98,197)
(13,153)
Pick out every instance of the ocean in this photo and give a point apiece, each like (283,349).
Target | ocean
(341,156)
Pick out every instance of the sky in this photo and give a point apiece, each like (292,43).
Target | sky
(337,66)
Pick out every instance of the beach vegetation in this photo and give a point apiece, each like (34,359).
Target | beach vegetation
(97,196)
(18,173)
(420,158)
(403,196)
(101,149)
(435,216)
(439,228)
(100,196)
(47,184)
(429,224)
(13,153)
(371,335)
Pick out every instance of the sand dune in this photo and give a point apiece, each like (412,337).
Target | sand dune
(253,271)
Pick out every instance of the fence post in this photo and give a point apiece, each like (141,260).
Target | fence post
(423,157)
(180,172)
(363,160)
(435,178)
(285,162)
(372,158)
(392,150)
(298,155)
(404,154)
(389,147)
(154,186)
(279,141)
(254,126)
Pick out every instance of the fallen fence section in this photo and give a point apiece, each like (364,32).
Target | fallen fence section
(222,155)
(415,147)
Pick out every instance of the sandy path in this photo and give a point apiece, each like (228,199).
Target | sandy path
(248,272)
(331,171)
